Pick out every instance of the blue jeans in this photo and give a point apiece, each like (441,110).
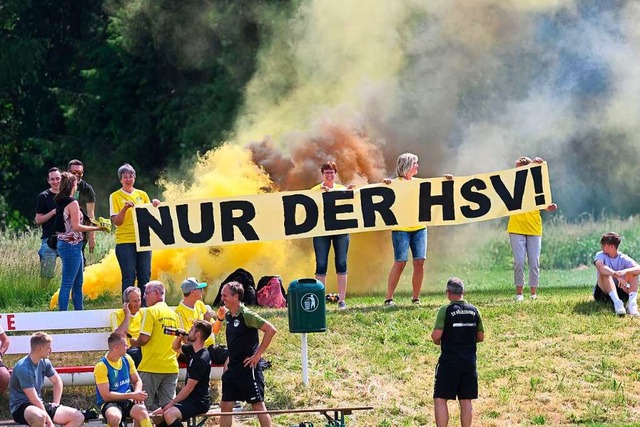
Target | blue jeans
(47,260)
(403,240)
(72,277)
(321,247)
(133,264)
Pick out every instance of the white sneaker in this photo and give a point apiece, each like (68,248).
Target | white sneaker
(618,307)
(533,297)
(632,309)
(519,298)
(342,305)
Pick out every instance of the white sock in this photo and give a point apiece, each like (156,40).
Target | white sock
(633,298)
(614,296)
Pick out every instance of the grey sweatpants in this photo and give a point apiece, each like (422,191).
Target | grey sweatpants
(530,246)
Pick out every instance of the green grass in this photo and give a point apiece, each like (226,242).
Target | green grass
(560,360)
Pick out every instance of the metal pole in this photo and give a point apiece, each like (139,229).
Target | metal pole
(305,361)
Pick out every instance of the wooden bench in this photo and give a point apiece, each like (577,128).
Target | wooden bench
(335,416)
(72,332)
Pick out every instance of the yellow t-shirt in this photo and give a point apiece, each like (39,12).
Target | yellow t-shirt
(335,187)
(188,315)
(412,228)
(158,356)
(117,317)
(100,372)
(125,233)
(527,223)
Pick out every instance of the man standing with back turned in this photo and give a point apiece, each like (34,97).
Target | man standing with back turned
(458,328)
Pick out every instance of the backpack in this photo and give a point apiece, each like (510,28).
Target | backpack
(246,279)
(271,293)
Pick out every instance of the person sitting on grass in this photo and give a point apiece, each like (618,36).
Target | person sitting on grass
(25,398)
(194,397)
(115,375)
(617,276)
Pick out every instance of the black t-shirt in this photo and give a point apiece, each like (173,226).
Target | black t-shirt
(85,194)
(199,369)
(45,203)
(462,322)
(242,340)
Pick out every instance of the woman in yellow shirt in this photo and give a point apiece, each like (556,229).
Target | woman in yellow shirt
(133,264)
(525,235)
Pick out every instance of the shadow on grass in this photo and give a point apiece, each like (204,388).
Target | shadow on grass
(590,308)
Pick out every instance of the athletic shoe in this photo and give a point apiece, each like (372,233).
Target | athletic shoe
(519,298)
(632,309)
(533,297)
(415,301)
(342,305)
(618,307)
(389,302)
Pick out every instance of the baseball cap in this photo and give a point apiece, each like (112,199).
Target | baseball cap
(455,286)
(190,284)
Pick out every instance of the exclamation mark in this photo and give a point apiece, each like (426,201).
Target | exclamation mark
(536,174)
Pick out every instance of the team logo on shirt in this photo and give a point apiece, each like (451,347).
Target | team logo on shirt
(236,323)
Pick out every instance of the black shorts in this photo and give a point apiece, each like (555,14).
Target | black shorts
(191,407)
(18,415)
(451,382)
(599,295)
(244,384)
(124,406)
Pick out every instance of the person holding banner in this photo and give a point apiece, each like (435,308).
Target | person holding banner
(133,264)
(321,244)
(525,236)
(414,237)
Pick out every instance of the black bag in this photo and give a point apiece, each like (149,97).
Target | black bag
(246,279)
(218,354)
(52,241)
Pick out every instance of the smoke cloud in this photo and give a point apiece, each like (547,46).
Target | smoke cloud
(467,86)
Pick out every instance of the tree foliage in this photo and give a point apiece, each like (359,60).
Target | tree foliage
(148,82)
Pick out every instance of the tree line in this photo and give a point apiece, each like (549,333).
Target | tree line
(148,82)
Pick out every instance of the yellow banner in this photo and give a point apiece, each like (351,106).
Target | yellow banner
(300,214)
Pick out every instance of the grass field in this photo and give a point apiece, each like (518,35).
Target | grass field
(560,360)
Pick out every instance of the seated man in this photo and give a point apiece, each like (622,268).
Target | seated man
(115,375)
(192,308)
(617,276)
(194,398)
(4,372)
(25,400)
(128,321)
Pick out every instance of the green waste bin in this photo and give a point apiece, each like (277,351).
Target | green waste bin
(306,306)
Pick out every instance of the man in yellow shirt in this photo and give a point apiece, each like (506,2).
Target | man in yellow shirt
(193,308)
(119,392)
(159,366)
(127,321)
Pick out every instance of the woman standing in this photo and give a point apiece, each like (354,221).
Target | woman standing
(70,227)
(133,264)
(525,236)
(414,237)
(321,244)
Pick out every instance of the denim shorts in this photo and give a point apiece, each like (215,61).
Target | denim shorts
(402,240)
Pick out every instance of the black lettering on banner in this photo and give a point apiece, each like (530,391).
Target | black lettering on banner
(206,223)
(536,174)
(483,202)
(514,202)
(289,205)
(228,221)
(383,207)
(163,228)
(331,210)
(426,201)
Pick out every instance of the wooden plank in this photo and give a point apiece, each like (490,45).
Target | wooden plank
(345,410)
(89,341)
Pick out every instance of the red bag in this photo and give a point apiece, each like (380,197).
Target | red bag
(271,294)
